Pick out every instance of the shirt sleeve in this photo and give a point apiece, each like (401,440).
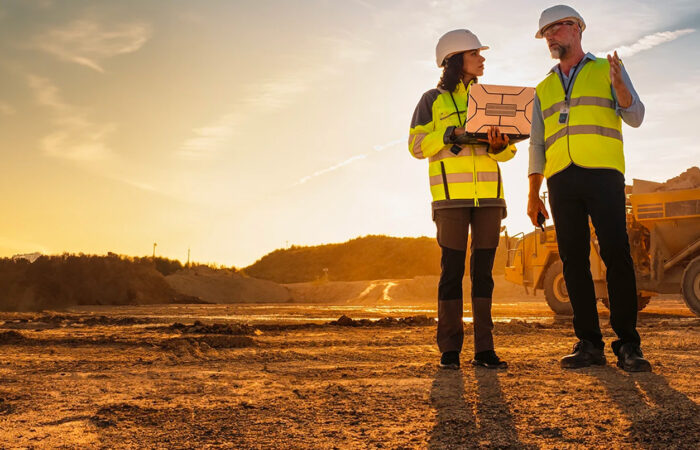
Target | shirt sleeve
(504,155)
(633,115)
(537,156)
(425,139)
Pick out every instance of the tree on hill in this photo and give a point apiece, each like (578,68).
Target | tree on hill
(63,280)
(365,258)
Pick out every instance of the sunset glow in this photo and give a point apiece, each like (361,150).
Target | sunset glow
(235,128)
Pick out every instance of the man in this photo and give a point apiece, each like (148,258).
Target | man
(576,143)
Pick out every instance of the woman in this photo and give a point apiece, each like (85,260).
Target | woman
(465,182)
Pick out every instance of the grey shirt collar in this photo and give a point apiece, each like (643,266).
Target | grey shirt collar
(556,69)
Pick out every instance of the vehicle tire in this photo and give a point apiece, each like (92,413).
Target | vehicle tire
(642,302)
(690,286)
(555,290)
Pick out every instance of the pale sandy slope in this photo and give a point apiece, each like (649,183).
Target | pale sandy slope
(408,291)
(225,286)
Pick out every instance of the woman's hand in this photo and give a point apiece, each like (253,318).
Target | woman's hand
(458,131)
(497,141)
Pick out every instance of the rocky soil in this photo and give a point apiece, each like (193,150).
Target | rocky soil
(102,379)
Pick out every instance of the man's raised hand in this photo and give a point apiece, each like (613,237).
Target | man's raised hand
(624,97)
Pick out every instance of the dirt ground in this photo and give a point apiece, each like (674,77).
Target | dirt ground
(150,377)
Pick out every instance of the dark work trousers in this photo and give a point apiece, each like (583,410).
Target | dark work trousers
(575,194)
(452,234)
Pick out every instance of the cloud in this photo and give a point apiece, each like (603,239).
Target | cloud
(377,148)
(75,137)
(330,169)
(88,43)
(365,4)
(275,94)
(141,185)
(381,147)
(647,42)
(209,139)
(7,109)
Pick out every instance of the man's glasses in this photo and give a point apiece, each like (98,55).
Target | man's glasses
(550,30)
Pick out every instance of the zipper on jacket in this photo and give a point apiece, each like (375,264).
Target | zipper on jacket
(444,181)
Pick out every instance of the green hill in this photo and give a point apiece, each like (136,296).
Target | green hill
(363,258)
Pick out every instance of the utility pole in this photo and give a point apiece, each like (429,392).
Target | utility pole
(154,250)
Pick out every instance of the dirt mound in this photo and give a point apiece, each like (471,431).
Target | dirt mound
(49,321)
(225,286)
(201,347)
(416,321)
(11,337)
(215,328)
(690,179)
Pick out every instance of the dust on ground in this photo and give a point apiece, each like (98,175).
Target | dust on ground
(148,377)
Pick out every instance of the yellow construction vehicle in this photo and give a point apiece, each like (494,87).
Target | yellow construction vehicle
(664,235)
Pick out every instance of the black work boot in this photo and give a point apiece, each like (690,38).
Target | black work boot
(630,359)
(584,355)
(449,360)
(489,359)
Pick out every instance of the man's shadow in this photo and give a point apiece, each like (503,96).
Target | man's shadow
(475,417)
(659,416)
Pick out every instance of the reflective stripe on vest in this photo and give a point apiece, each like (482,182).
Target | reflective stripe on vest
(592,136)
(463,177)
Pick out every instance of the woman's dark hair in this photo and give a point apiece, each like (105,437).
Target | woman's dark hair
(452,73)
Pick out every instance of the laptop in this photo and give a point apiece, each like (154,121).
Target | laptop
(507,107)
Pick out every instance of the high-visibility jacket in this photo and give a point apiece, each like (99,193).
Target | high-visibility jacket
(460,175)
(591,135)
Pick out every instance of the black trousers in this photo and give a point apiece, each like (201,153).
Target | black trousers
(575,194)
(453,226)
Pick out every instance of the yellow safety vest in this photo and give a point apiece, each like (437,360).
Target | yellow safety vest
(592,134)
(460,175)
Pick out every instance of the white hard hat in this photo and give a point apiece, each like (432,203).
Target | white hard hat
(456,41)
(558,13)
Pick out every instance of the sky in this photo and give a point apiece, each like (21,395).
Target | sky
(234,128)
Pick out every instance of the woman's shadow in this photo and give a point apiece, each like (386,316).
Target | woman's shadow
(475,416)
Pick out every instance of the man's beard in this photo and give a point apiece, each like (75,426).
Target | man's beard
(558,51)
